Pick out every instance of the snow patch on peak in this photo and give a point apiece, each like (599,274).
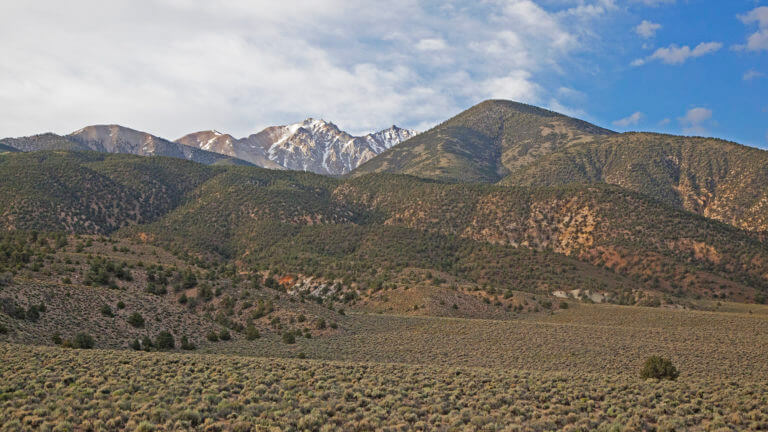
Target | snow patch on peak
(321,147)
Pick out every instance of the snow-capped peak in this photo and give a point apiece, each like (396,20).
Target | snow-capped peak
(313,144)
(321,147)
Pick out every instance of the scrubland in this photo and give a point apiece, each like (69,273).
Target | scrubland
(576,369)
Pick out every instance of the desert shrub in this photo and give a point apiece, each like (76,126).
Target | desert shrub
(136,320)
(3,329)
(659,368)
(289,338)
(271,283)
(146,343)
(224,335)
(145,426)
(563,305)
(6,278)
(13,310)
(186,344)
(33,313)
(136,345)
(252,333)
(152,288)
(82,341)
(212,336)
(120,305)
(321,324)
(107,311)
(204,292)
(262,308)
(164,341)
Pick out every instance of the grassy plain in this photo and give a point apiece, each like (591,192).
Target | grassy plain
(575,369)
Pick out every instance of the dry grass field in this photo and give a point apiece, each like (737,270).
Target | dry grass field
(575,369)
(602,339)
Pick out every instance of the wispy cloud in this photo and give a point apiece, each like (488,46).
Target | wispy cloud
(647,29)
(675,55)
(631,120)
(757,41)
(654,2)
(695,121)
(752,74)
(431,44)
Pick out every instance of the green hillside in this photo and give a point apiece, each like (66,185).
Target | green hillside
(87,192)
(483,143)
(603,225)
(371,231)
(518,145)
(718,179)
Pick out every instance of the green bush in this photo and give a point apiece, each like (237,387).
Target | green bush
(82,341)
(107,311)
(3,329)
(136,320)
(186,344)
(224,335)
(164,341)
(146,343)
(289,338)
(33,313)
(212,336)
(659,368)
(251,332)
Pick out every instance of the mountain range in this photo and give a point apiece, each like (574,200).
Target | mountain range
(312,145)
(503,196)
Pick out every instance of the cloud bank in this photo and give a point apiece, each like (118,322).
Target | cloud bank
(174,66)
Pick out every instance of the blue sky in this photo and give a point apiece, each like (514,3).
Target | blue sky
(731,83)
(170,67)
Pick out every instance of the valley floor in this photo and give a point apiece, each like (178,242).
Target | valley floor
(576,369)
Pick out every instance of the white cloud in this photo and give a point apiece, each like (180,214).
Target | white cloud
(695,121)
(757,41)
(675,55)
(752,74)
(570,94)
(175,66)
(631,120)
(431,44)
(654,3)
(516,86)
(647,29)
